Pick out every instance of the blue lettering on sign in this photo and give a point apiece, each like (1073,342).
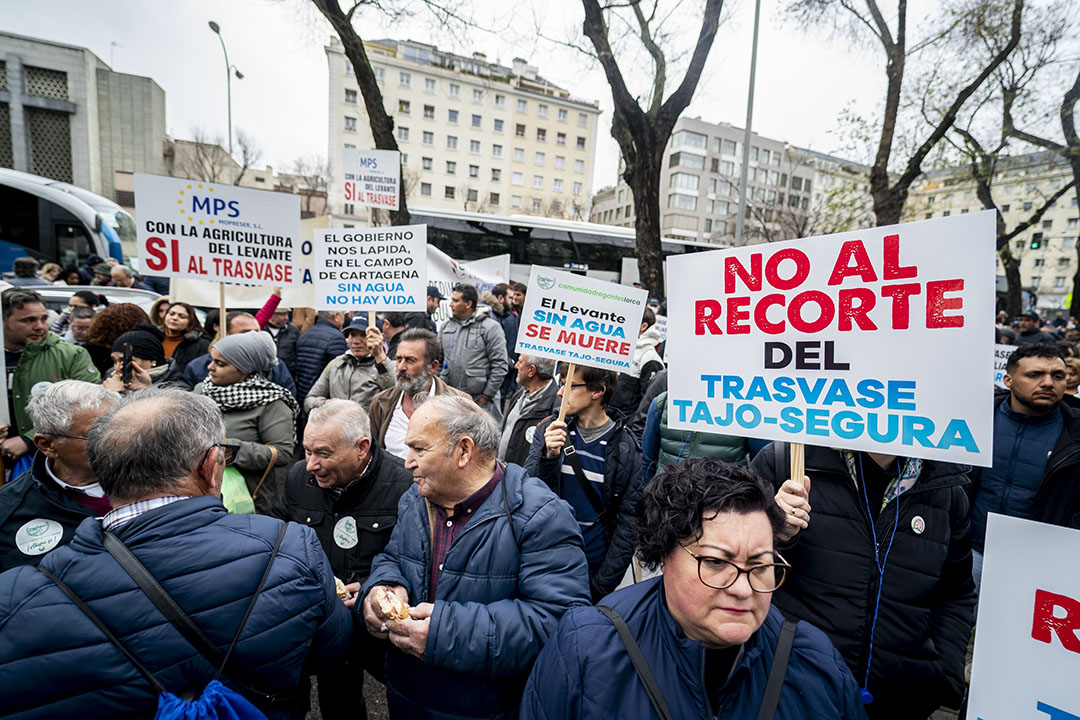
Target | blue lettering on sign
(1055,713)
(367,162)
(215,206)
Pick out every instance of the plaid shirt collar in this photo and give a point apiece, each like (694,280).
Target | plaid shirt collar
(447,526)
(129,512)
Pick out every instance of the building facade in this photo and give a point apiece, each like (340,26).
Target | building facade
(1048,249)
(66,115)
(474,135)
(792,192)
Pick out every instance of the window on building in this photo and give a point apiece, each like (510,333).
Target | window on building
(686,138)
(472,195)
(708,225)
(774,177)
(451,167)
(560,162)
(519,154)
(493,198)
(350,123)
(522,106)
(425,189)
(1035,281)
(519,130)
(500,100)
(477,121)
(496,151)
(1059,282)
(687,160)
(448,192)
(577,188)
(686,181)
(405,79)
(727,168)
(1004,208)
(474,147)
(1039,262)
(403,133)
(537,205)
(477,95)
(753,154)
(429,138)
(474,171)
(580,143)
(541,135)
(515,202)
(1028,206)
(350,146)
(350,97)
(723,188)
(677,201)
(403,106)
(560,139)
(715,165)
(542,110)
(765,155)
(729,147)
(429,112)
(1063,262)
(582,120)
(796,183)
(562,115)
(556,185)
(1047,224)
(498,126)
(1072,222)
(455,90)
(539,158)
(380,74)
(451,142)
(429,85)
(538,182)
(496,174)
(806,185)
(425,163)
(517,179)
(452,116)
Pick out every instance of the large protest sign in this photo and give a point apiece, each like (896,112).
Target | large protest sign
(211,231)
(1027,640)
(1001,359)
(861,340)
(580,320)
(444,272)
(380,268)
(372,177)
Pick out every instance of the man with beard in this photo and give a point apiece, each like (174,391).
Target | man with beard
(419,358)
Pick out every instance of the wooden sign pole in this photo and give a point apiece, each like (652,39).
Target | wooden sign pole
(221,311)
(370,319)
(567,386)
(798,463)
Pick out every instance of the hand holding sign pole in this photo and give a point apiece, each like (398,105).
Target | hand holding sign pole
(568,384)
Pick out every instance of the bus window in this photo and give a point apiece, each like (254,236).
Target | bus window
(72,243)
(19,219)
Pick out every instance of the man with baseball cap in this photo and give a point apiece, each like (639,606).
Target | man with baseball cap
(358,373)
(434,297)
(1029,330)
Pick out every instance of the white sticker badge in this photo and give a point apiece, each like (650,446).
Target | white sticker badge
(918,524)
(38,536)
(345,535)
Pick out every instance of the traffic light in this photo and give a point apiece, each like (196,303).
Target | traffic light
(1036,243)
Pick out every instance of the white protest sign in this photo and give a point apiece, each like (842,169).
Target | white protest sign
(1027,639)
(853,340)
(661,325)
(444,272)
(380,268)
(1001,359)
(581,320)
(372,177)
(210,231)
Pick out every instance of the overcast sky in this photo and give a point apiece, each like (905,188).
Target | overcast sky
(803,80)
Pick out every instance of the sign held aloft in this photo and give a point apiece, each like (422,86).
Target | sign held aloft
(372,177)
(380,268)
(580,320)
(857,340)
(211,231)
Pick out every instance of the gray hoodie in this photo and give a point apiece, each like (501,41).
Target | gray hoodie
(474,354)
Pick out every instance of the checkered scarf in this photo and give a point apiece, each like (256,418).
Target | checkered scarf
(254,391)
(897,486)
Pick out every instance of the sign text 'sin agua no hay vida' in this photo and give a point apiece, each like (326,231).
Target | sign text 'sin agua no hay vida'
(580,320)
(863,340)
(210,231)
(383,268)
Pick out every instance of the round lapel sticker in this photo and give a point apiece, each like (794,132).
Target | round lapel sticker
(918,524)
(38,536)
(345,535)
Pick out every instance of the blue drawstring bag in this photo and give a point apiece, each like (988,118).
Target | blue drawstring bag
(216,702)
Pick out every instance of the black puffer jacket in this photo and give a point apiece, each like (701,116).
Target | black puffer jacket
(354,527)
(622,486)
(194,344)
(928,597)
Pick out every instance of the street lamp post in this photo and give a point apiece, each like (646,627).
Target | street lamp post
(229,70)
(740,220)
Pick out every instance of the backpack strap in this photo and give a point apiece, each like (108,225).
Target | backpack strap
(269,467)
(105,630)
(780,463)
(185,625)
(591,494)
(641,665)
(771,698)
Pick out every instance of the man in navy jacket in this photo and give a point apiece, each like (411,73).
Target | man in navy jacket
(159,455)
(488,557)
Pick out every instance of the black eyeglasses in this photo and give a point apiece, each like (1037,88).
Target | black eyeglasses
(721,574)
(69,437)
(229,451)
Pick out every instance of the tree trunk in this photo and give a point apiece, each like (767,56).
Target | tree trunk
(1013,301)
(647,224)
(1074,306)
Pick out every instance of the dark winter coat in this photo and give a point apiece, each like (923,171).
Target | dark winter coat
(194,344)
(542,406)
(622,486)
(516,567)
(584,672)
(314,350)
(286,345)
(370,503)
(55,663)
(927,599)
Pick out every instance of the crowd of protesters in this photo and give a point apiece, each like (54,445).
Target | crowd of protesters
(448,534)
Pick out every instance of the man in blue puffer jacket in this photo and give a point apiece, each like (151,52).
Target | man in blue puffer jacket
(315,349)
(489,558)
(159,456)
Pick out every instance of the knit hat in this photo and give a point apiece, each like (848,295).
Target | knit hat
(250,352)
(145,341)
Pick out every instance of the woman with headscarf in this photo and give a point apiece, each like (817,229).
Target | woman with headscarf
(184,337)
(260,417)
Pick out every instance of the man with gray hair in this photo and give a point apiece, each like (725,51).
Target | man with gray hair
(40,509)
(160,456)
(489,559)
(535,399)
(123,276)
(347,490)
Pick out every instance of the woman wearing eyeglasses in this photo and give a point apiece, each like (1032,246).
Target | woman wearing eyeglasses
(260,416)
(708,641)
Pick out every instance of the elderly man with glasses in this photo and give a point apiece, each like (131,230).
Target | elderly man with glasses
(40,509)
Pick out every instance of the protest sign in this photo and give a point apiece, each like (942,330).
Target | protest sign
(444,272)
(580,320)
(856,340)
(1027,639)
(1001,359)
(210,231)
(380,268)
(372,177)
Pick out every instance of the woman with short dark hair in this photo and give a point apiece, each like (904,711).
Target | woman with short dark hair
(705,627)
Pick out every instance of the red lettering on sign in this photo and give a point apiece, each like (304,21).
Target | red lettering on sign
(937,304)
(737,316)
(802,269)
(825,314)
(1044,625)
(901,305)
(893,269)
(734,269)
(852,250)
(706,313)
(855,303)
(156,258)
(761,318)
